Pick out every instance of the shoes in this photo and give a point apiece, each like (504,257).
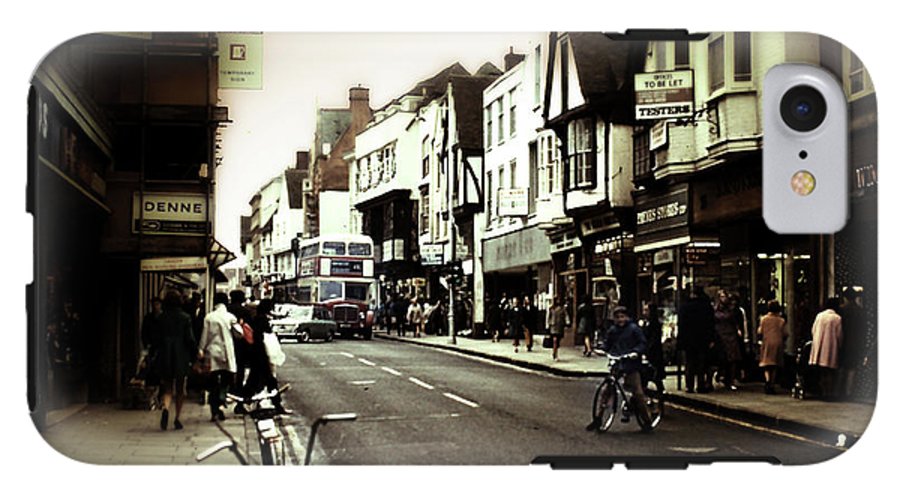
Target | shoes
(529,349)
(178,425)
(220,415)
(239,409)
(517,350)
(592,426)
(689,391)
(164,420)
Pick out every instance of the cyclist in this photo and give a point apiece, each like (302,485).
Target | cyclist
(626,339)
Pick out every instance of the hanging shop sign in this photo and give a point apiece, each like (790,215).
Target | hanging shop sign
(663,95)
(169,213)
(432,254)
(240,60)
(513,202)
(664,256)
(659,135)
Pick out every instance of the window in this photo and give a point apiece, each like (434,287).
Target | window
(387,158)
(717,64)
(425,212)
(489,128)
(532,175)
(537,75)
(742,66)
(682,54)
(334,248)
(661,56)
(310,250)
(329,290)
(580,157)
(357,291)
(357,249)
(831,56)
(488,211)
(512,112)
(643,158)
(564,72)
(857,75)
(426,157)
(512,174)
(548,161)
(500,120)
(501,184)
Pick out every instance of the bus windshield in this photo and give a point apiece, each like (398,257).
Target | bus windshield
(360,249)
(330,290)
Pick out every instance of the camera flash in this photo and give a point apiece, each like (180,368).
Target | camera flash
(803,183)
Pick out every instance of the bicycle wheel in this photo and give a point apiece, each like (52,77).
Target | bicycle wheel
(605,405)
(654,404)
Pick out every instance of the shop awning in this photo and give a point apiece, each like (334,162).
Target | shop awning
(219,255)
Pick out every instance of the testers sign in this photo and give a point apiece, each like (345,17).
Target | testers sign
(663,95)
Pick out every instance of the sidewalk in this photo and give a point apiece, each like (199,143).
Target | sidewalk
(107,434)
(811,419)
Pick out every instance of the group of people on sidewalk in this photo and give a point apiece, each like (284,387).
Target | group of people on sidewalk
(404,313)
(714,338)
(232,352)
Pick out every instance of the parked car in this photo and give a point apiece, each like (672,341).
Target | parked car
(303,322)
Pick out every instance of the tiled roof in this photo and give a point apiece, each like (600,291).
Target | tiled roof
(330,124)
(602,63)
(467,104)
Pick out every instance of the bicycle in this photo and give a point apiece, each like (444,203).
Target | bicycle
(264,416)
(612,395)
(261,409)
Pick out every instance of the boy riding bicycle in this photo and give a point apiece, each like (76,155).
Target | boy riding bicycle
(626,339)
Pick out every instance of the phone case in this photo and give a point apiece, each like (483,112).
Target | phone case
(438,261)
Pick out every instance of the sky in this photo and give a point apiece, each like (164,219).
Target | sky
(306,71)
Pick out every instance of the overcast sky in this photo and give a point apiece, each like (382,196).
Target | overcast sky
(304,71)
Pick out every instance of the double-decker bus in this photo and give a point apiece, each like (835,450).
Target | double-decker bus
(337,270)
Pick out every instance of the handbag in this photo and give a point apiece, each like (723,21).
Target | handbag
(273,349)
(201,366)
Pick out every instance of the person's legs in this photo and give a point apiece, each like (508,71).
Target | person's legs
(555,347)
(529,339)
(180,388)
(165,388)
(638,399)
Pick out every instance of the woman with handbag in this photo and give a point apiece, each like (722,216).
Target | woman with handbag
(261,375)
(175,355)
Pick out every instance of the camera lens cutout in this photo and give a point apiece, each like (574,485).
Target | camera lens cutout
(803,108)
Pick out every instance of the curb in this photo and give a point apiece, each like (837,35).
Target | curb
(806,431)
(499,358)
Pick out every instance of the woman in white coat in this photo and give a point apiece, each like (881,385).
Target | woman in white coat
(216,350)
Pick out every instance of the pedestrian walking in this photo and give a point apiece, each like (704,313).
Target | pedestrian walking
(557,321)
(216,349)
(728,340)
(771,351)
(586,325)
(652,327)
(515,322)
(696,330)
(415,316)
(261,376)
(827,337)
(854,355)
(242,314)
(529,322)
(150,337)
(176,351)
(504,316)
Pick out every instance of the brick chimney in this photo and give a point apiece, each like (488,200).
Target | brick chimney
(360,113)
(511,59)
(302,161)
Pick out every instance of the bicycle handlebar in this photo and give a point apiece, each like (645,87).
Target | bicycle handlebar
(262,395)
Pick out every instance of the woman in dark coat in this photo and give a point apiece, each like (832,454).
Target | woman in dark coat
(728,339)
(176,349)
(587,325)
(261,376)
(652,328)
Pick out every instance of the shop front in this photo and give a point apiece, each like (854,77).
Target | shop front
(570,274)
(518,264)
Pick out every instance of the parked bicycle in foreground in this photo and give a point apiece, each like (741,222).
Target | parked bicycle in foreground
(614,394)
(261,409)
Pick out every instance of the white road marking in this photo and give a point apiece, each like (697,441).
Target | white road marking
(296,445)
(421,383)
(698,450)
(392,371)
(461,400)
(362,383)
(367,362)
(348,355)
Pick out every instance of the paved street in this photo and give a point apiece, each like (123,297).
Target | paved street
(425,406)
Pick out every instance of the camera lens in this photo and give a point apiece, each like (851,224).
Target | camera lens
(803,108)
